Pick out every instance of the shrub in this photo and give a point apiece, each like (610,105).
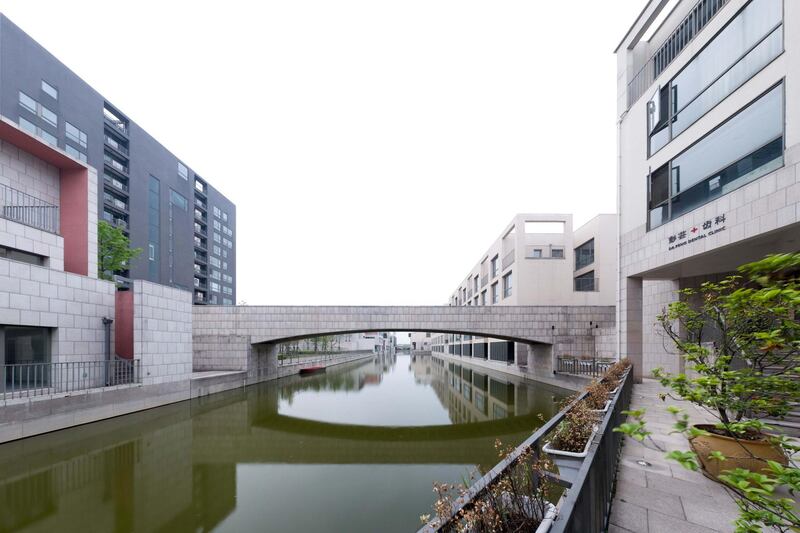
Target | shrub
(574,431)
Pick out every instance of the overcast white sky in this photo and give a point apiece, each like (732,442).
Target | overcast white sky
(374,149)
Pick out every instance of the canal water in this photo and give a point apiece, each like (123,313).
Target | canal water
(354,449)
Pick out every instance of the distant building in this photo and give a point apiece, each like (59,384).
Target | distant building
(420,342)
(538,259)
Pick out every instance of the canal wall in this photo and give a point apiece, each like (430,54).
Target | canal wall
(572,383)
(26,417)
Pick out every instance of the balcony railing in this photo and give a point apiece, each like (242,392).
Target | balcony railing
(508,259)
(114,182)
(586,503)
(42,379)
(113,143)
(702,12)
(28,210)
(116,165)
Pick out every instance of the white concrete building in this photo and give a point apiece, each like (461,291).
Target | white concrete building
(420,342)
(539,260)
(709,142)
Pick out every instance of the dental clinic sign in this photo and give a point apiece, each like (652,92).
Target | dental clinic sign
(695,233)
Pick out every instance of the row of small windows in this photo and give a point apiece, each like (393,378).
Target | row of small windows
(47,114)
(219,213)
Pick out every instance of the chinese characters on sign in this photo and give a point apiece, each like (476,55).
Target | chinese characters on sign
(695,233)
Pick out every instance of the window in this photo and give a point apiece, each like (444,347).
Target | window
(494,265)
(214,286)
(18,255)
(227,290)
(24,345)
(536,253)
(28,103)
(227,278)
(75,135)
(198,185)
(74,152)
(151,252)
(215,274)
(224,216)
(183,172)
(214,261)
(507,285)
(50,90)
(178,200)
(585,282)
(217,250)
(494,293)
(217,225)
(154,227)
(227,301)
(227,242)
(224,265)
(49,116)
(33,129)
(483,298)
(746,147)
(225,254)
(475,284)
(744,47)
(557,253)
(584,254)
(217,212)
(217,238)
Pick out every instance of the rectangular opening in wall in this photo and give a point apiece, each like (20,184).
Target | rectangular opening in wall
(540,227)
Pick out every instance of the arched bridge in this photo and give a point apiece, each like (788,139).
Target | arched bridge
(227,337)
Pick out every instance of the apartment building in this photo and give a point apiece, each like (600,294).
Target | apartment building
(538,259)
(185,227)
(708,97)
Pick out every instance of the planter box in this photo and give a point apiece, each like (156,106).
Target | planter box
(549,517)
(604,410)
(613,392)
(552,451)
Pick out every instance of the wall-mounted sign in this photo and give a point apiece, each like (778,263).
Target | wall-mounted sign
(695,233)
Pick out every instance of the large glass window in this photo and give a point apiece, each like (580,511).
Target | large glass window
(586,282)
(154,227)
(507,285)
(75,135)
(178,200)
(584,254)
(494,294)
(745,46)
(741,150)
(28,103)
(50,90)
(183,172)
(74,152)
(494,265)
(24,345)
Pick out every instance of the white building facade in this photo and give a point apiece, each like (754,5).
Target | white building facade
(709,140)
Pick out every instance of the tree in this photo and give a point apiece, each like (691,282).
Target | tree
(114,251)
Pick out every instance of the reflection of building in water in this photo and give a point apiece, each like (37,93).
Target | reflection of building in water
(473,396)
(421,342)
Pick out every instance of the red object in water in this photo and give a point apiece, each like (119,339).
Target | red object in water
(312,370)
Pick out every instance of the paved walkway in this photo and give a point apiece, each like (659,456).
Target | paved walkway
(665,497)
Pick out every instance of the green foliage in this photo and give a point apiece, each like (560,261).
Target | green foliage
(114,252)
(741,337)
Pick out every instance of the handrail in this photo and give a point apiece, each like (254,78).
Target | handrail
(570,504)
(28,210)
(25,380)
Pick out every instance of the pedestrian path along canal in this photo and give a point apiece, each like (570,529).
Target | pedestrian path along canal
(354,449)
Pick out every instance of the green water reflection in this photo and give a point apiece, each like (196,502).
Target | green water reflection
(354,449)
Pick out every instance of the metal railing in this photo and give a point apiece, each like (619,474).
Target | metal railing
(26,209)
(586,504)
(698,17)
(582,367)
(294,358)
(41,379)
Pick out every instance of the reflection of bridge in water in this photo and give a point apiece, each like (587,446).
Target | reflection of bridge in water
(175,467)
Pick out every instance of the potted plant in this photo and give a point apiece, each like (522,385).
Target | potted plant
(597,396)
(573,436)
(741,339)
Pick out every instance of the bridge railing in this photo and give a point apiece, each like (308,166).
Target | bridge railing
(582,366)
(586,504)
(296,358)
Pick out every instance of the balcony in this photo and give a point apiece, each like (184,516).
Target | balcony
(116,145)
(115,221)
(110,116)
(698,17)
(115,183)
(23,208)
(112,201)
(116,165)
(199,202)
